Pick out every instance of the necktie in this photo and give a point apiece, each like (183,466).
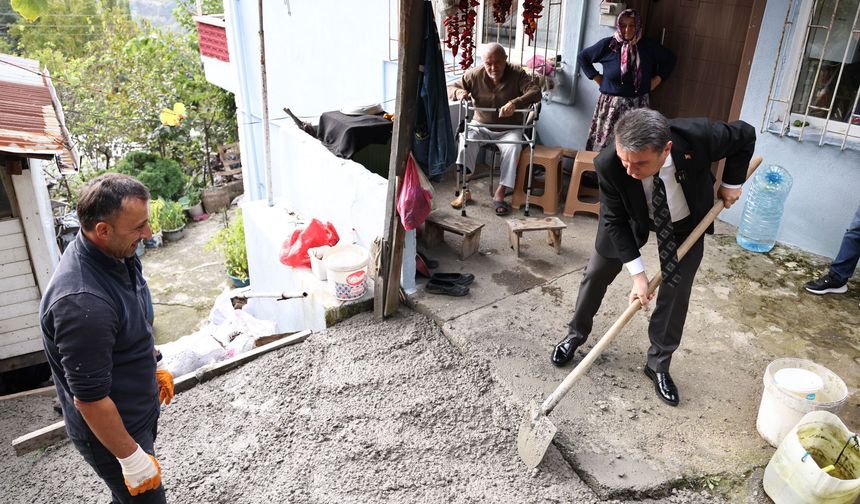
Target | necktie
(665,235)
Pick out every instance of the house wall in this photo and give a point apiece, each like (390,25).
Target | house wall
(826,189)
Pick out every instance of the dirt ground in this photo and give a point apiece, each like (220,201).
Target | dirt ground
(366,412)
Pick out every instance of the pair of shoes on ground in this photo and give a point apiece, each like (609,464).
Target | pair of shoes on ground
(663,384)
(828,284)
(449,284)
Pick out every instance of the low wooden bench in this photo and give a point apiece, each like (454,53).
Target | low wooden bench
(553,225)
(470,229)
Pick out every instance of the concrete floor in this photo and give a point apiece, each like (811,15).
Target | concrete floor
(746,310)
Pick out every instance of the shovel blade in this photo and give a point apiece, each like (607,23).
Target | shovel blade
(535,436)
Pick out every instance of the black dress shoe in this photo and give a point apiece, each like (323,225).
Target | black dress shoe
(665,387)
(565,350)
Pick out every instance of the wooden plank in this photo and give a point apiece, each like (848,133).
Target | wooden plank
(42,246)
(19,295)
(16,310)
(10,227)
(20,348)
(535,224)
(56,432)
(46,436)
(48,391)
(12,241)
(13,255)
(22,361)
(455,223)
(21,335)
(20,322)
(17,282)
(15,269)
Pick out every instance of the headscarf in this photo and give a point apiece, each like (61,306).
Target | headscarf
(629,52)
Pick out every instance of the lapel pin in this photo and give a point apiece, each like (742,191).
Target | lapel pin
(688,157)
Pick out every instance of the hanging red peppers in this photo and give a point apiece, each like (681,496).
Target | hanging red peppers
(531,14)
(501,9)
(460,28)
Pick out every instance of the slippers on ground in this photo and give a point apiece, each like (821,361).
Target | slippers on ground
(446,288)
(501,208)
(454,278)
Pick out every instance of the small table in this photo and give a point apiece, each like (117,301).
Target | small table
(553,225)
(470,229)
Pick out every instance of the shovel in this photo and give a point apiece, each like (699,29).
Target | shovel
(536,430)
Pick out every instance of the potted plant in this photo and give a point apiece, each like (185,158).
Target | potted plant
(172,219)
(155,208)
(230,241)
(191,202)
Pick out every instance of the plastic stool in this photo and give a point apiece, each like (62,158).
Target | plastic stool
(584,162)
(550,159)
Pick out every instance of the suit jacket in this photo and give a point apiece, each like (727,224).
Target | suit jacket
(623,225)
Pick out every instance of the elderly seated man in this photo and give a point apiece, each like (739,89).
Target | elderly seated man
(504,87)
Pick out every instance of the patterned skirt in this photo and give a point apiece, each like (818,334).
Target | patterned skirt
(609,109)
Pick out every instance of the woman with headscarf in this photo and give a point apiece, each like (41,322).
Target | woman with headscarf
(633,66)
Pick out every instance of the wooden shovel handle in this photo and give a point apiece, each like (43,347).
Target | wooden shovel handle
(564,387)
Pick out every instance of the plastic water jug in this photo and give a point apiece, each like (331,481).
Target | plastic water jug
(763,209)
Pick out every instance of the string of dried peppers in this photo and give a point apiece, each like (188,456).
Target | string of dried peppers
(460,29)
(531,14)
(501,9)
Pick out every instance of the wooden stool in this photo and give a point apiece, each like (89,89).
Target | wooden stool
(584,162)
(550,159)
(553,225)
(470,229)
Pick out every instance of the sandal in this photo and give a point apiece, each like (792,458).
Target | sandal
(501,208)
(446,288)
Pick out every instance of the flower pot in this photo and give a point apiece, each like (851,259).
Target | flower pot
(237,282)
(196,211)
(174,234)
(155,241)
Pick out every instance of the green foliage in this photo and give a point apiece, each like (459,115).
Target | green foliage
(191,197)
(172,216)
(230,241)
(163,177)
(30,9)
(155,208)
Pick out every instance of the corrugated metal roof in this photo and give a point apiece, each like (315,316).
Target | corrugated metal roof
(31,118)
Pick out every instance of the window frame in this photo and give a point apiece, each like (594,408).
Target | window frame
(785,83)
(521,51)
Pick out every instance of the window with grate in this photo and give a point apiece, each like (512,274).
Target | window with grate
(511,34)
(815,89)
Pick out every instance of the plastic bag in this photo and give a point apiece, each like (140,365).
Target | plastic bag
(426,184)
(294,251)
(413,202)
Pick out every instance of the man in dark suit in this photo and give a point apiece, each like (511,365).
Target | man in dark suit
(671,160)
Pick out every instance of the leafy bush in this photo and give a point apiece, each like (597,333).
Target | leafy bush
(163,177)
(230,241)
(192,197)
(172,216)
(155,208)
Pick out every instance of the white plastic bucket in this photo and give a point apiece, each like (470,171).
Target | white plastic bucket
(794,474)
(316,256)
(780,410)
(346,270)
(798,381)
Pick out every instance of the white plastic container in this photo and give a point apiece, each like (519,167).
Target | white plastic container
(780,410)
(346,270)
(316,255)
(798,381)
(794,474)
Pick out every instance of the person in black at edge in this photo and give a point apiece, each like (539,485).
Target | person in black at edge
(99,342)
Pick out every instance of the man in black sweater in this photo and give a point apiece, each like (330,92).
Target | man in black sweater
(679,153)
(99,342)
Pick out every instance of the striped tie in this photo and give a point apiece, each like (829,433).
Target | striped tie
(665,235)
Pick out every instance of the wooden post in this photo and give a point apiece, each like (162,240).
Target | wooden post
(387,285)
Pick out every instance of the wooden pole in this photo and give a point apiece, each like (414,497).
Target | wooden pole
(387,285)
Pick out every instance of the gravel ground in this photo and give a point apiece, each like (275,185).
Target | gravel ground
(366,412)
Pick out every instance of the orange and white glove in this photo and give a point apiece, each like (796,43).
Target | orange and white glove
(141,472)
(165,383)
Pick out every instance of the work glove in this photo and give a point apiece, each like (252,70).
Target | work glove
(165,383)
(141,472)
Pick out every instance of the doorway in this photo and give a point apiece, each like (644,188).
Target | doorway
(714,41)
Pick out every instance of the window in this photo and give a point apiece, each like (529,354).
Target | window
(816,83)
(511,34)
